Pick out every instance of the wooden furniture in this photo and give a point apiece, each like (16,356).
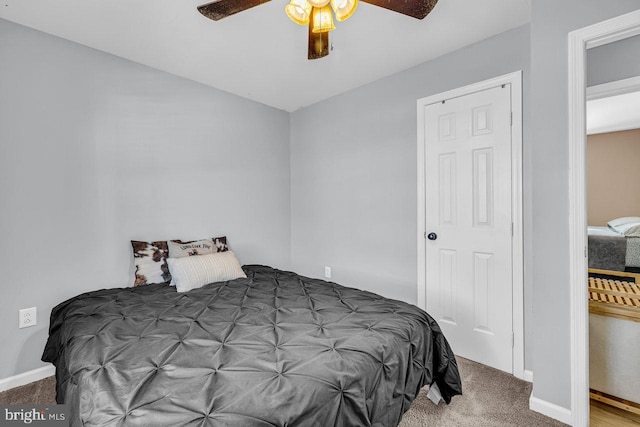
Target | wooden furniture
(616,402)
(614,338)
(615,294)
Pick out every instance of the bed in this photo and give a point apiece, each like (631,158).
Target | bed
(612,250)
(272,349)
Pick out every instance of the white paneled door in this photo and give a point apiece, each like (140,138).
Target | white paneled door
(469,225)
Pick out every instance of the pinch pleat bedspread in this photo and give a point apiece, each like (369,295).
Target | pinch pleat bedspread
(274,349)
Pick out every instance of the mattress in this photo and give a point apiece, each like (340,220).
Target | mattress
(274,349)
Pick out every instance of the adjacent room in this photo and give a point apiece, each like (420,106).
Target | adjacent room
(307,212)
(613,214)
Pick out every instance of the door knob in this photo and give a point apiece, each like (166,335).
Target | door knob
(432,236)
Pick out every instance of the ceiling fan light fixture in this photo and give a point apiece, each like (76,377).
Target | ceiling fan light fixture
(299,11)
(317,15)
(322,19)
(319,3)
(344,8)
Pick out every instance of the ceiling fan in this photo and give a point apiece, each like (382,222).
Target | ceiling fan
(318,14)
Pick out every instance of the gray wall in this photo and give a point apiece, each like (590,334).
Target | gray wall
(353,172)
(96,151)
(551,22)
(613,61)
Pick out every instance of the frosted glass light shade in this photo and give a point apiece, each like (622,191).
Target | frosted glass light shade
(322,19)
(299,11)
(344,8)
(319,3)
(318,43)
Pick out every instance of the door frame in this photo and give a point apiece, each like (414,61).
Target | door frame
(599,34)
(614,88)
(515,80)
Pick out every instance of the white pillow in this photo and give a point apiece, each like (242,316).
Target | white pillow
(179,249)
(628,226)
(622,221)
(196,271)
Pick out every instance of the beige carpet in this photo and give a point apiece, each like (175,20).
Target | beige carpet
(37,393)
(491,398)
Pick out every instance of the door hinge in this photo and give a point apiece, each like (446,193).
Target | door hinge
(513,339)
(512,229)
(511,118)
(425,235)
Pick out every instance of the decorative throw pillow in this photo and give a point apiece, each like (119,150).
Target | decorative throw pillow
(196,271)
(150,260)
(209,246)
(221,243)
(180,249)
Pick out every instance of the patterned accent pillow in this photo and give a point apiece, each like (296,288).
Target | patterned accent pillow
(180,249)
(221,243)
(150,260)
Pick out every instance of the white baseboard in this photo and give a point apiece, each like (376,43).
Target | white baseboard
(528,376)
(550,410)
(27,377)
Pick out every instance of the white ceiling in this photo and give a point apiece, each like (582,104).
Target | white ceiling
(259,53)
(613,114)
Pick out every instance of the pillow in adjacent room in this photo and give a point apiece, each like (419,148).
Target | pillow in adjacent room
(180,249)
(196,271)
(628,226)
(150,260)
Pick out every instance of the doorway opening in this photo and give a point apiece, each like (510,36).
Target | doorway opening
(599,34)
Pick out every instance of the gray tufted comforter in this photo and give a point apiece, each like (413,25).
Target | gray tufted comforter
(274,349)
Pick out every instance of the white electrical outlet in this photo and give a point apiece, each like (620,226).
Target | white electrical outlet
(28,317)
(327,272)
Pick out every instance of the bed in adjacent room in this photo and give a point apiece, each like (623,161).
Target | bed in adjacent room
(616,246)
(270,349)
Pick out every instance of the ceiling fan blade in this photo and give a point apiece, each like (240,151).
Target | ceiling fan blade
(222,8)
(415,8)
(318,43)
